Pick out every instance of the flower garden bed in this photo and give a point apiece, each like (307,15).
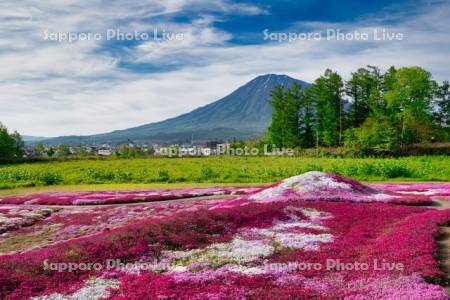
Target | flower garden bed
(293,240)
(119,197)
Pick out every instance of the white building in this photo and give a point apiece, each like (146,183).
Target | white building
(206,151)
(104,150)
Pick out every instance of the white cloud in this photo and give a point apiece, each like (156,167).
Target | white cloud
(51,88)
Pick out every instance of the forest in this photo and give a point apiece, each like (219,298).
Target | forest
(373,113)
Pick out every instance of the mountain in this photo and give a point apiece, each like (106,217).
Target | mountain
(245,113)
(29,138)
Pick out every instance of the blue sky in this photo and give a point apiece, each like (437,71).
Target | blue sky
(52,88)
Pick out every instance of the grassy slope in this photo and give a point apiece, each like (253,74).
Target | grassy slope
(157,172)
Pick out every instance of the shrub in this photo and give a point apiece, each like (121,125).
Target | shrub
(374,137)
(207,173)
(162,175)
(49,178)
(393,170)
(98,175)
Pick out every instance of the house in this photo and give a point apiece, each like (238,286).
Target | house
(104,150)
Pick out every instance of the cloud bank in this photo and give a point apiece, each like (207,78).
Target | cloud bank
(51,88)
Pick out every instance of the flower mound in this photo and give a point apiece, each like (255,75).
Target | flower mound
(320,186)
(316,186)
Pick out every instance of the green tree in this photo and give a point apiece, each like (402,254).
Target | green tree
(83,151)
(40,149)
(308,120)
(50,152)
(327,90)
(126,151)
(18,144)
(276,127)
(63,150)
(284,129)
(409,103)
(151,150)
(11,145)
(442,103)
(365,90)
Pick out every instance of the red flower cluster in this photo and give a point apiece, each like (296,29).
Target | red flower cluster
(362,233)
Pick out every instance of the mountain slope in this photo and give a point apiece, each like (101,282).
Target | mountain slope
(245,113)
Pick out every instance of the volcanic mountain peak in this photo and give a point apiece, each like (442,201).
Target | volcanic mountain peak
(245,113)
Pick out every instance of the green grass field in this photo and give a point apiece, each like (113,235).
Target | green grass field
(189,171)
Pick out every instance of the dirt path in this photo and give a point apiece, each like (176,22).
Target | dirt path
(440,204)
(444,242)
(444,254)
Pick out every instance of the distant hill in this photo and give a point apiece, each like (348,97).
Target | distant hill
(245,113)
(29,138)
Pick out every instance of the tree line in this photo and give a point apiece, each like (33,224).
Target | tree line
(373,113)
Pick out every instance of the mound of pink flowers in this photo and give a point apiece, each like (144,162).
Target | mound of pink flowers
(314,186)
(313,236)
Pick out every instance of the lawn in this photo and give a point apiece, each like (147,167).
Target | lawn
(229,170)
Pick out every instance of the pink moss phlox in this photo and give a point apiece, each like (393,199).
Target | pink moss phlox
(117,197)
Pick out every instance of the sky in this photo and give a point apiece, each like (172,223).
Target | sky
(78,67)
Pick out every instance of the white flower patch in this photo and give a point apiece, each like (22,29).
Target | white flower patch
(312,214)
(310,182)
(237,251)
(268,193)
(383,197)
(176,269)
(429,192)
(284,232)
(315,217)
(31,202)
(305,241)
(301,224)
(8,220)
(179,254)
(97,288)
(241,250)
(17,217)
(246,252)
(258,270)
